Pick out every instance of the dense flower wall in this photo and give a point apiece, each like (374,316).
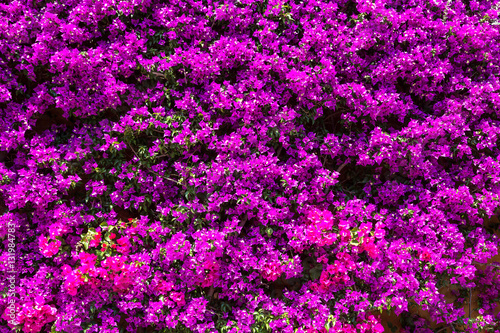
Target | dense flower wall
(248,166)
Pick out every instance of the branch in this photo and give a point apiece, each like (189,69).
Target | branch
(211,291)
(470,301)
(279,151)
(167,178)
(158,74)
(491,265)
(342,166)
(242,223)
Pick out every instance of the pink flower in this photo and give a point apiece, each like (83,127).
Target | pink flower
(66,270)
(212,273)
(160,286)
(88,261)
(323,219)
(323,259)
(178,297)
(272,271)
(378,328)
(114,264)
(320,226)
(425,255)
(364,229)
(34,315)
(58,229)
(171,34)
(313,234)
(122,282)
(333,276)
(73,281)
(46,248)
(96,240)
(10,316)
(379,233)
(345,235)
(346,260)
(124,245)
(370,247)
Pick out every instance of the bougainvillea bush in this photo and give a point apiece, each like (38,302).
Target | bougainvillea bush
(248,166)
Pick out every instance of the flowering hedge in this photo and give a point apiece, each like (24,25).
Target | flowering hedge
(248,166)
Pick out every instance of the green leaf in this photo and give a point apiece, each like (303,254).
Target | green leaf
(354,242)
(316,272)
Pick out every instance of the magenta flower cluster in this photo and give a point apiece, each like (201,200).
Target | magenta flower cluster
(249,166)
